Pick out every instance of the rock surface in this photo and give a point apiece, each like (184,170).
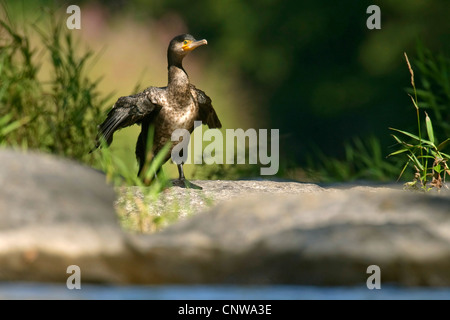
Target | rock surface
(55,213)
(316,239)
(40,189)
(190,201)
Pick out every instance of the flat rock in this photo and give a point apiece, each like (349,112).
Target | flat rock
(316,239)
(39,189)
(190,201)
(55,213)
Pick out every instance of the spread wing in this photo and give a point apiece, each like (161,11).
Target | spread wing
(206,114)
(128,111)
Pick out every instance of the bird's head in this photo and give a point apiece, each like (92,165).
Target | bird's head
(180,46)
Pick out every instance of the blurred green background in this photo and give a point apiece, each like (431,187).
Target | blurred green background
(309,68)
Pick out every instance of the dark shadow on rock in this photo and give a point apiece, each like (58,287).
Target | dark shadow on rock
(185,184)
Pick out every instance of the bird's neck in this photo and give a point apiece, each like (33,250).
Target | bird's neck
(178,78)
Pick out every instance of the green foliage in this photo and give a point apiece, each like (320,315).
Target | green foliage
(434,94)
(7,126)
(58,116)
(364,157)
(363,160)
(225,171)
(424,155)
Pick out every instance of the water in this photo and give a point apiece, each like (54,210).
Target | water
(216,292)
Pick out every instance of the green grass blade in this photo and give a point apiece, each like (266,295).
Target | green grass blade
(414,137)
(157,162)
(414,102)
(427,157)
(407,145)
(397,152)
(445,155)
(10,127)
(416,161)
(429,128)
(403,170)
(443,144)
(5,119)
(397,139)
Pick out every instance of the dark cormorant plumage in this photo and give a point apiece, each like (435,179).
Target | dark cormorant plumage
(175,106)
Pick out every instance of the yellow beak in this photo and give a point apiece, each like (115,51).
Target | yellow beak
(194,44)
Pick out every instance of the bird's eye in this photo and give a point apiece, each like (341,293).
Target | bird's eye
(185,42)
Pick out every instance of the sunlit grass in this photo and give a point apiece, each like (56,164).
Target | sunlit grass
(425,156)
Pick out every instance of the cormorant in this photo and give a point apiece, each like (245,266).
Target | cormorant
(175,106)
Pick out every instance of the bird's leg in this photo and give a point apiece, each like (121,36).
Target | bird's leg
(180,171)
(182,182)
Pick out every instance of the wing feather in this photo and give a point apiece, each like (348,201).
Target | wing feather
(125,112)
(206,113)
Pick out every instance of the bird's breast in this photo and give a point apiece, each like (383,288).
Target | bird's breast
(172,118)
(179,118)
